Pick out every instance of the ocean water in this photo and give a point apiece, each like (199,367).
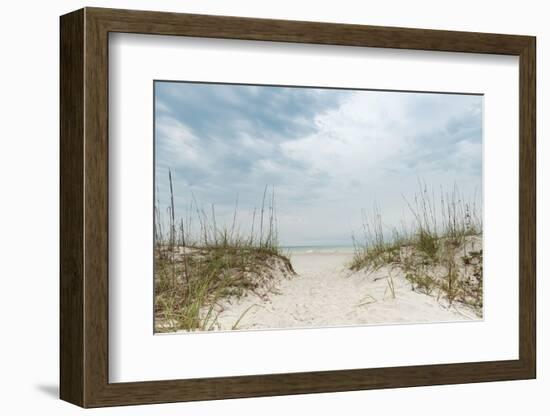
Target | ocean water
(328,249)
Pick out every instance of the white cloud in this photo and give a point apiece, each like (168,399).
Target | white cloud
(178,140)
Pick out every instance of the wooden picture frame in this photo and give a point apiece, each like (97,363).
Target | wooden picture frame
(84,207)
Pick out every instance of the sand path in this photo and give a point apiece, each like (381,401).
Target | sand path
(325,293)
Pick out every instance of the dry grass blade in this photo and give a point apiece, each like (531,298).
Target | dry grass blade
(236,324)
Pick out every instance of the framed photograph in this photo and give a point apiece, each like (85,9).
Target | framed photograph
(254,207)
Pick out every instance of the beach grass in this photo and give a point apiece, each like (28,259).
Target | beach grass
(198,262)
(440,252)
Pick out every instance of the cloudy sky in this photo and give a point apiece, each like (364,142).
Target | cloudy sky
(328,153)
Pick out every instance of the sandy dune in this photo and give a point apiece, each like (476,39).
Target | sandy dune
(325,293)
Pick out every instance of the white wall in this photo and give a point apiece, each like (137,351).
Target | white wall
(29,208)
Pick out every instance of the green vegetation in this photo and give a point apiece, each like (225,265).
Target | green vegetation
(195,271)
(440,253)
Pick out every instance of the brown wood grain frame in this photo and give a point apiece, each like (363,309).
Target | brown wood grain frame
(84,218)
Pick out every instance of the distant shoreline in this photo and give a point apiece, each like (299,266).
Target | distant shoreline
(318,249)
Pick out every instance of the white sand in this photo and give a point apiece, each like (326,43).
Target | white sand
(325,293)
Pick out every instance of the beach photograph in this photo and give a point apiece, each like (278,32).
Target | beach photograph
(287,207)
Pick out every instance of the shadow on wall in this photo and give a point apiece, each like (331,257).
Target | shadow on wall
(51,390)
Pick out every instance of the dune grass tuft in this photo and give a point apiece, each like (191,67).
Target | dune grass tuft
(198,263)
(440,253)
